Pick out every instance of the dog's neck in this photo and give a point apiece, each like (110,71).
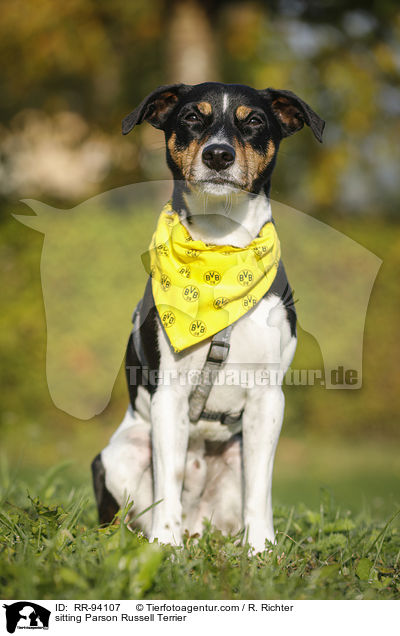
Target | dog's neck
(229,219)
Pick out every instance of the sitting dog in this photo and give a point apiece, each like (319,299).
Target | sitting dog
(217,300)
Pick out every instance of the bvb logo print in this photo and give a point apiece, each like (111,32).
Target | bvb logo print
(249,301)
(261,251)
(212,277)
(165,282)
(192,252)
(245,277)
(168,319)
(220,302)
(162,249)
(197,328)
(184,271)
(191,293)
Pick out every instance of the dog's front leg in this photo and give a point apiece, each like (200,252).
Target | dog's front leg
(262,421)
(170,431)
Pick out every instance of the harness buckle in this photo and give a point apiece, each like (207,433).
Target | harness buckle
(218,351)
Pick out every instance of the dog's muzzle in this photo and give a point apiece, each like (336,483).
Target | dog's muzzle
(218,156)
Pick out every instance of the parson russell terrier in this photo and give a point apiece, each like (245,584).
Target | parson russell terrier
(221,145)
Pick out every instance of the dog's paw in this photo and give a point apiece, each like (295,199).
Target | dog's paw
(166,536)
(260,540)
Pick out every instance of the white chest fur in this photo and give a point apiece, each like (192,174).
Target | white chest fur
(261,348)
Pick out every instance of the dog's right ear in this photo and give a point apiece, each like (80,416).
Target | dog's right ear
(156,107)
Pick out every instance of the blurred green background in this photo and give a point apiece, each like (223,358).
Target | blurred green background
(69,74)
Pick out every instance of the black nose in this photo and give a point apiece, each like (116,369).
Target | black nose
(218,156)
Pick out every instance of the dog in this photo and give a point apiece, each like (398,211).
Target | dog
(221,147)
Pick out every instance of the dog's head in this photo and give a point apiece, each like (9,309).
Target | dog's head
(223,137)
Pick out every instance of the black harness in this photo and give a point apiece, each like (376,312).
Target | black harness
(216,356)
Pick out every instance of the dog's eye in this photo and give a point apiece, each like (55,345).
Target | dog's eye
(192,117)
(254,121)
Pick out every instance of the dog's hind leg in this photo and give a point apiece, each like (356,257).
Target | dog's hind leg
(193,484)
(106,505)
(128,470)
(221,499)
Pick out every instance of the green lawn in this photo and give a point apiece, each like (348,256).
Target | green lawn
(362,474)
(48,528)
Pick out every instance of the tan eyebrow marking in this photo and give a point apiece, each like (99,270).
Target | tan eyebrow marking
(242,112)
(205,108)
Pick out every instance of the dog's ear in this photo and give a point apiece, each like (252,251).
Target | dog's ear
(292,113)
(155,108)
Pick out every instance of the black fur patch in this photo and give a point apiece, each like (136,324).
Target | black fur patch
(106,504)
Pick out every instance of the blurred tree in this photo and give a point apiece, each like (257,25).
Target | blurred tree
(344,58)
(190,44)
(99,59)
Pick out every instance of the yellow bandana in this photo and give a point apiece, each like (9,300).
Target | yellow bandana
(200,289)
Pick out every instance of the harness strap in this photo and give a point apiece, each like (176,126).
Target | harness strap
(216,356)
(137,341)
(224,418)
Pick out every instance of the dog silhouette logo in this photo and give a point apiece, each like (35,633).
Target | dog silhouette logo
(26,615)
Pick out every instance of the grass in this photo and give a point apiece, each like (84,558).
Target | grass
(52,548)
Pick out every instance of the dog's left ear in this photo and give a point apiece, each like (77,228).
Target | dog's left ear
(292,113)
(155,108)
